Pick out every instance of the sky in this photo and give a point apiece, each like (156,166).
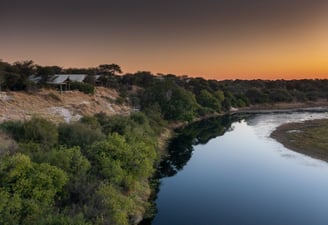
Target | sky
(215,39)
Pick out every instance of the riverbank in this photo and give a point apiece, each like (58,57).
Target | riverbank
(282,107)
(238,166)
(309,137)
(148,212)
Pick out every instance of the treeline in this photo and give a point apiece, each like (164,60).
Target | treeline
(15,77)
(184,98)
(176,98)
(94,171)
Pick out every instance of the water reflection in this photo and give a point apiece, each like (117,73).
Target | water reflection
(229,171)
(180,149)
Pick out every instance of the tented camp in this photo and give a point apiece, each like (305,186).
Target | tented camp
(64,80)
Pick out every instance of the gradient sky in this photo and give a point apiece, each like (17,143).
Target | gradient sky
(244,39)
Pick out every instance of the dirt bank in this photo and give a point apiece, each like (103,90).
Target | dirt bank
(309,137)
(50,104)
(281,107)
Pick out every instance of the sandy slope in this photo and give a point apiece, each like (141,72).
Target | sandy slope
(69,106)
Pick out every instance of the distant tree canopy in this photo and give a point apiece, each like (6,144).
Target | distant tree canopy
(96,170)
(15,76)
(176,103)
(111,69)
(109,72)
(168,96)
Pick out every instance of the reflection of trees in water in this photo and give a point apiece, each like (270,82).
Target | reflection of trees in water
(181,148)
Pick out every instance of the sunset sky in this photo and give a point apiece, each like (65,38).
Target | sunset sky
(220,39)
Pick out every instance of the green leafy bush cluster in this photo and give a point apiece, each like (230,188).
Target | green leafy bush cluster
(94,171)
(83,87)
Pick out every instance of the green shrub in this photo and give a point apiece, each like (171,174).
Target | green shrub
(111,124)
(36,130)
(203,111)
(120,100)
(139,117)
(206,99)
(27,190)
(78,134)
(83,87)
(41,131)
(280,95)
(90,121)
(14,128)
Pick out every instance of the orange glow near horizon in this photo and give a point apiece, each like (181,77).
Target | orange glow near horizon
(273,50)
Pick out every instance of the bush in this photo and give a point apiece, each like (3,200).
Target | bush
(120,100)
(206,99)
(203,111)
(41,131)
(83,87)
(139,117)
(28,190)
(36,130)
(14,128)
(78,134)
(111,124)
(91,121)
(280,95)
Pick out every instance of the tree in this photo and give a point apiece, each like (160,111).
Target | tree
(219,94)
(41,131)
(108,72)
(2,74)
(110,69)
(78,134)
(182,106)
(45,72)
(28,190)
(122,162)
(14,82)
(176,103)
(114,207)
(25,68)
(15,77)
(256,96)
(76,165)
(206,99)
(37,130)
(280,95)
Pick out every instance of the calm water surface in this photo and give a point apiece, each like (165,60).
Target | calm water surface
(242,177)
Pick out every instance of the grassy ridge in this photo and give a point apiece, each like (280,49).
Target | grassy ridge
(309,137)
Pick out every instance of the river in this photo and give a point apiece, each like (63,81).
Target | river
(228,171)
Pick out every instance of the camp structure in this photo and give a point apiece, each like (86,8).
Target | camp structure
(64,80)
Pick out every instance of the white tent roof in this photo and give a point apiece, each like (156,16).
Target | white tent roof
(35,78)
(61,78)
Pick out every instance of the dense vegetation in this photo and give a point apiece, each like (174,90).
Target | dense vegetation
(94,171)
(97,170)
(174,98)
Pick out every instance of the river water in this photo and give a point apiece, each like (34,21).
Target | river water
(228,171)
